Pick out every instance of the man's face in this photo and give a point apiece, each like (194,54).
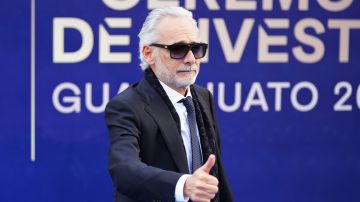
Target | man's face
(178,74)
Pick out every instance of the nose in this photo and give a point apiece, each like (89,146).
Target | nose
(189,58)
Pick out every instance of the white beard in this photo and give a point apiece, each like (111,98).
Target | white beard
(170,78)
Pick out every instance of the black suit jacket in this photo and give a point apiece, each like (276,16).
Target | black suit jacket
(146,155)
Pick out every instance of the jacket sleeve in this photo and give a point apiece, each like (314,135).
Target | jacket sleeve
(130,175)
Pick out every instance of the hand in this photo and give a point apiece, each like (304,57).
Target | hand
(200,186)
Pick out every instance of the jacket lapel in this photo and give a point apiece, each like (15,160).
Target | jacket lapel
(170,134)
(162,116)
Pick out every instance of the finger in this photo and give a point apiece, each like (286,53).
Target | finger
(211,180)
(204,187)
(210,189)
(209,164)
(199,200)
(202,196)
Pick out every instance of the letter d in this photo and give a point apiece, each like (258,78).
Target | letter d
(59,54)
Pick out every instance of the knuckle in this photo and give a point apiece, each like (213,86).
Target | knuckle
(196,193)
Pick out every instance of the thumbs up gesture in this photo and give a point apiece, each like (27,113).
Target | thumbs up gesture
(201,186)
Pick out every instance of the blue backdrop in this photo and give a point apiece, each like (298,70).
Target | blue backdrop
(285,77)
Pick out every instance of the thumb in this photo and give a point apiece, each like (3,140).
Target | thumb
(209,164)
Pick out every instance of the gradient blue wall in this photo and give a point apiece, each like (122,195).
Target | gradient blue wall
(285,76)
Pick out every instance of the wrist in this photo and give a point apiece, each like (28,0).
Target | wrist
(180,188)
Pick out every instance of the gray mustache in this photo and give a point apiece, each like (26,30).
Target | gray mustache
(186,68)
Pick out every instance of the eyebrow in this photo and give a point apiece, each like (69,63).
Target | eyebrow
(180,42)
(184,42)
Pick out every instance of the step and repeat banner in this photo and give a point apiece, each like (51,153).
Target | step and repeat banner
(285,75)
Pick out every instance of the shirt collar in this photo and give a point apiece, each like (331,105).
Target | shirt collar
(173,95)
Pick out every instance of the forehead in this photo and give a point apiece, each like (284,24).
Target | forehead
(172,29)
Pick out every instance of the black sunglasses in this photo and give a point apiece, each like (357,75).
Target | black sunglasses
(180,50)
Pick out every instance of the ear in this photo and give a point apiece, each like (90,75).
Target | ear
(148,54)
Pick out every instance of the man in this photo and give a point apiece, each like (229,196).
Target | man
(164,147)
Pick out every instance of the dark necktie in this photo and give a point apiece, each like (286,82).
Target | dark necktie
(195,146)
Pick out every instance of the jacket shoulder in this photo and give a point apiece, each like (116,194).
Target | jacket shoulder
(130,97)
(128,94)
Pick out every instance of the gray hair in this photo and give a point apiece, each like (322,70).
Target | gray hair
(147,33)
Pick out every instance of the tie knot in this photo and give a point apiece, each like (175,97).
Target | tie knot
(188,103)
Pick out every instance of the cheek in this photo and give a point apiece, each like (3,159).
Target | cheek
(197,63)
(166,60)
(172,65)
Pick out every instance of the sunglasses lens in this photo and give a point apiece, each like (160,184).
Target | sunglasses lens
(178,51)
(199,50)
